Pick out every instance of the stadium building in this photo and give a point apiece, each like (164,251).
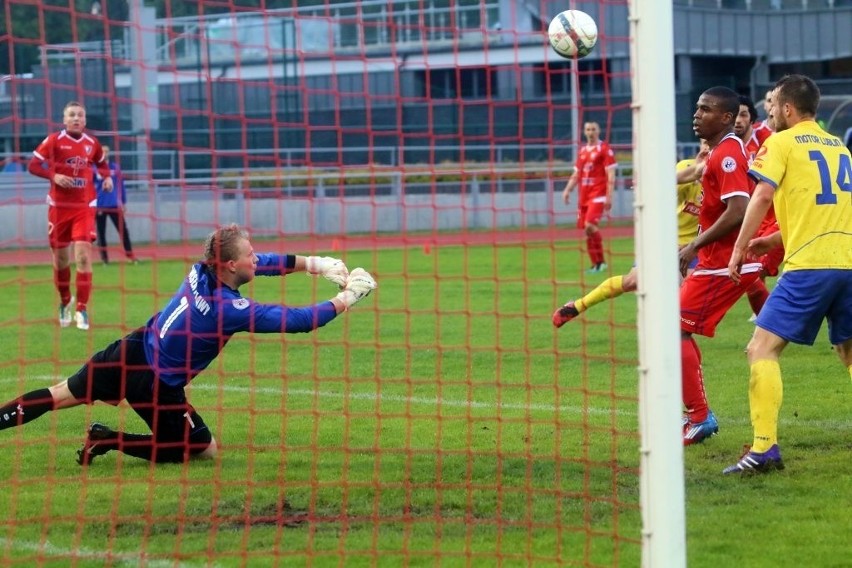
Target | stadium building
(393,83)
(381,100)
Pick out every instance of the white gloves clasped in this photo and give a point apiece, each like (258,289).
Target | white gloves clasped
(358,286)
(332,269)
(355,285)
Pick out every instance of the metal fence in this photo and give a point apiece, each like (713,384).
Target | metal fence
(180,174)
(320,203)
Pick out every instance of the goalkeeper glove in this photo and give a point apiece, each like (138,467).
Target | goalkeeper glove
(331,269)
(358,286)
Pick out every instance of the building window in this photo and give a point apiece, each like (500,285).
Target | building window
(466,83)
(554,77)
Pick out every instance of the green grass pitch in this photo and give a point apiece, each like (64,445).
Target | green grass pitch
(443,421)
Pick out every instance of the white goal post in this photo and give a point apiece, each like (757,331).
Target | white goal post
(654,150)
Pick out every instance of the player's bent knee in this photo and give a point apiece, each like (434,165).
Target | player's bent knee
(844,351)
(764,345)
(202,444)
(209,452)
(750,350)
(62,396)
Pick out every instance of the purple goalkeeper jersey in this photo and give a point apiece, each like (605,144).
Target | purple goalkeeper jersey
(199,320)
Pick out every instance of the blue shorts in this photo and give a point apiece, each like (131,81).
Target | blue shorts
(800,301)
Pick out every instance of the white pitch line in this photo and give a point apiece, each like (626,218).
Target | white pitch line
(380,397)
(50,550)
(844,424)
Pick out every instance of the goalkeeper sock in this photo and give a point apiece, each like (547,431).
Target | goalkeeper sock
(62,279)
(765,392)
(25,408)
(144,446)
(609,288)
(84,289)
(757,295)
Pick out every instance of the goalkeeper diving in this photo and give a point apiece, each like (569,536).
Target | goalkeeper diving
(150,367)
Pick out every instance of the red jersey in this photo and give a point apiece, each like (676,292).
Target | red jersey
(73,157)
(725,176)
(755,142)
(762,129)
(758,137)
(593,163)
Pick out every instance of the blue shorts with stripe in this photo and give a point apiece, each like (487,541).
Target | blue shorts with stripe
(800,301)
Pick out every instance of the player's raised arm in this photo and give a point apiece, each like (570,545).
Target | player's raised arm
(695,170)
(332,269)
(243,314)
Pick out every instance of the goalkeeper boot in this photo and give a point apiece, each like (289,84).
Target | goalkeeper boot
(753,462)
(65,313)
(697,432)
(565,314)
(82,319)
(97,443)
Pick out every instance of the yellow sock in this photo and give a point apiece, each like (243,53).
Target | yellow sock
(609,288)
(765,392)
(850,371)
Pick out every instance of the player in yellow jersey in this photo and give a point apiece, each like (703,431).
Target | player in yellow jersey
(689,196)
(807,173)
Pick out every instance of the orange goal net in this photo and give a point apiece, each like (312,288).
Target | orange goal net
(442,419)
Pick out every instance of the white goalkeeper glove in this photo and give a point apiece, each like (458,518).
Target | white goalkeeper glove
(332,269)
(358,286)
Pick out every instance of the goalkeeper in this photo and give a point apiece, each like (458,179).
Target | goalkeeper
(151,366)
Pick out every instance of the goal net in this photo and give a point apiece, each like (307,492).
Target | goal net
(442,420)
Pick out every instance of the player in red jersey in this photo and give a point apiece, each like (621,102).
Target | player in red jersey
(745,128)
(706,294)
(594,172)
(766,124)
(753,139)
(65,158)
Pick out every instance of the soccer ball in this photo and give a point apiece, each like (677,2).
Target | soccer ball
(573,33)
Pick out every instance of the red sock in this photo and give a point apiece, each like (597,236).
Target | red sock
(757,294)
(694,397)
(84,289)
(62,279)
(594,243)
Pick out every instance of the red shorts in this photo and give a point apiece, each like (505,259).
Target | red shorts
(773,259)
(70,225)
(705,299)
(590,213)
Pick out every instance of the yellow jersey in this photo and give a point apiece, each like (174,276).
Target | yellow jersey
(811,172)
(689,197)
